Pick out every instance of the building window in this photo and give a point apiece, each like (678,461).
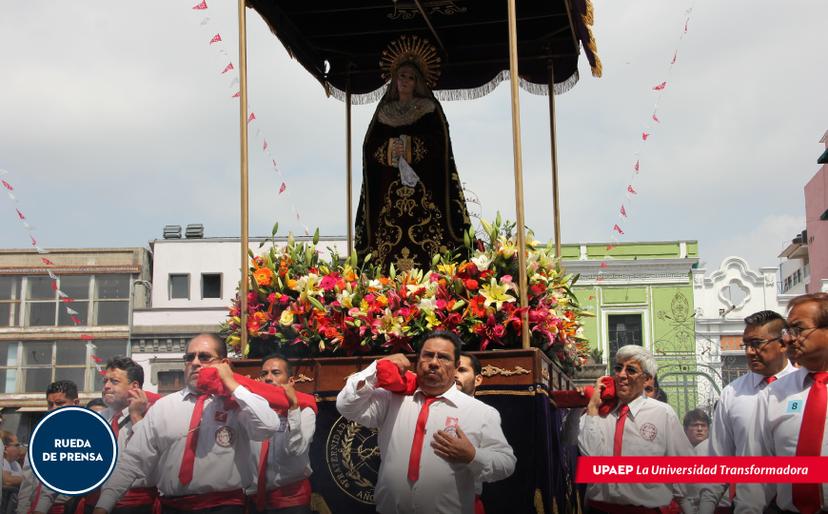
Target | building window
(9,301)
(211,285)
(112,299)
(733,366)
(170,381)
(179,286)
(39,363)
(95,300)
(623,329)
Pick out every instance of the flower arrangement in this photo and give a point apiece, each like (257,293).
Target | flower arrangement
(303,305)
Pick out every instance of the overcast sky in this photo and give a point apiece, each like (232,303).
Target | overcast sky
(115,120)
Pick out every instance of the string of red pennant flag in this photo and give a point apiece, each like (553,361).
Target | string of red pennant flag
(48,264)
(217,42)
(631,190)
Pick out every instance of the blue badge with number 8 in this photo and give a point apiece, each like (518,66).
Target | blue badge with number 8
(794,407)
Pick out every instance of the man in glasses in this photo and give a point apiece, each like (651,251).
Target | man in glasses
(637,426)
(790,414)
(733,420)
(196,447)
(286,467)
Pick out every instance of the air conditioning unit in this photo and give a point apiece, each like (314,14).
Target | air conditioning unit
(195,231)
(172,231)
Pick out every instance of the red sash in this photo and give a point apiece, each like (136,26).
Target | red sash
(616,508)
(138,496)
(197,502)
(478,505)
(135,497)
(290,495)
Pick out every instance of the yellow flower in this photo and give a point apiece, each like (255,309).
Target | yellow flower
(390,324)
(447,269)
(286,319)
(495,293)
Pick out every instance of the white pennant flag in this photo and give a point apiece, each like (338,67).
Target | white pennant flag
(72,311)
(51,275)
(62,294)
(205,20)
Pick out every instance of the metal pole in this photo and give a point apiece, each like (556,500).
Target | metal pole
(350,178)
(519,227)
(245,281)
(553,144)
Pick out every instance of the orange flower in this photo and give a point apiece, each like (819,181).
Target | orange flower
(263,276)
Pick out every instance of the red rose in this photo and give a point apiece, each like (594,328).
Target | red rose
(471,284)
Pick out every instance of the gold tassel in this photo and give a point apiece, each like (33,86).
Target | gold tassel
(539,503)
(589,15)
(597,68)
(319,505)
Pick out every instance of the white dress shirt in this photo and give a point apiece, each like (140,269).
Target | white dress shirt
(31,488)
(732,430)
(777,422)
(651,429)
(443,487)
(157,445)
(288,459)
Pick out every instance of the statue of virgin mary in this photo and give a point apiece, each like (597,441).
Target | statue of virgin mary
(411,206)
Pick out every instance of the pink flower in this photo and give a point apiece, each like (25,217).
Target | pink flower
(499,331)
(328,282)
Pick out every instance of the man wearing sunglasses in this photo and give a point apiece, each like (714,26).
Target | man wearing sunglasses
(637,426)
(790,414)
(194,446)
(733,421)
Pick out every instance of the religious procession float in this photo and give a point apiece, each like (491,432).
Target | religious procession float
(415,263)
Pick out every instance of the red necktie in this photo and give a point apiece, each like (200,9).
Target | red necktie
(115,427)
(806,497)
(185,474)
(417,443)
(769,380)
(261,486)
(619,430)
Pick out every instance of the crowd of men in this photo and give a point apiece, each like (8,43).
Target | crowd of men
(778,408)
(196,451)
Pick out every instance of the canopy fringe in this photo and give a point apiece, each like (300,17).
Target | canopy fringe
(451,95)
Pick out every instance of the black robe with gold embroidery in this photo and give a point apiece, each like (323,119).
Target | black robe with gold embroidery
(405,225)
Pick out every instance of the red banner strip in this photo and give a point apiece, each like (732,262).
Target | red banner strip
(705,470)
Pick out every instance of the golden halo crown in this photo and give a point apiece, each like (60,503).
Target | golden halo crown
(415,50)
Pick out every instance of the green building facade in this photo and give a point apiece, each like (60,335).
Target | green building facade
(641,293)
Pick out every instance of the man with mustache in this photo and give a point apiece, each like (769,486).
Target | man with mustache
(638,425)
(194,446)
(733,420)
(434,443)
(790,413)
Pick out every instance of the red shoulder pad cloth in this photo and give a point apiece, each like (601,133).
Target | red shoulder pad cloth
(390,379)
(210,383)
(572,398)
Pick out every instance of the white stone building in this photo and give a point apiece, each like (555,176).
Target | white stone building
(194,282)
(723,299)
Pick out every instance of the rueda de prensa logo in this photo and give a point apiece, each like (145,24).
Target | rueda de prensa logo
(72,450)
(353,459)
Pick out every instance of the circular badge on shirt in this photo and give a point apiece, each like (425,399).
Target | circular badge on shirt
(72,450)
